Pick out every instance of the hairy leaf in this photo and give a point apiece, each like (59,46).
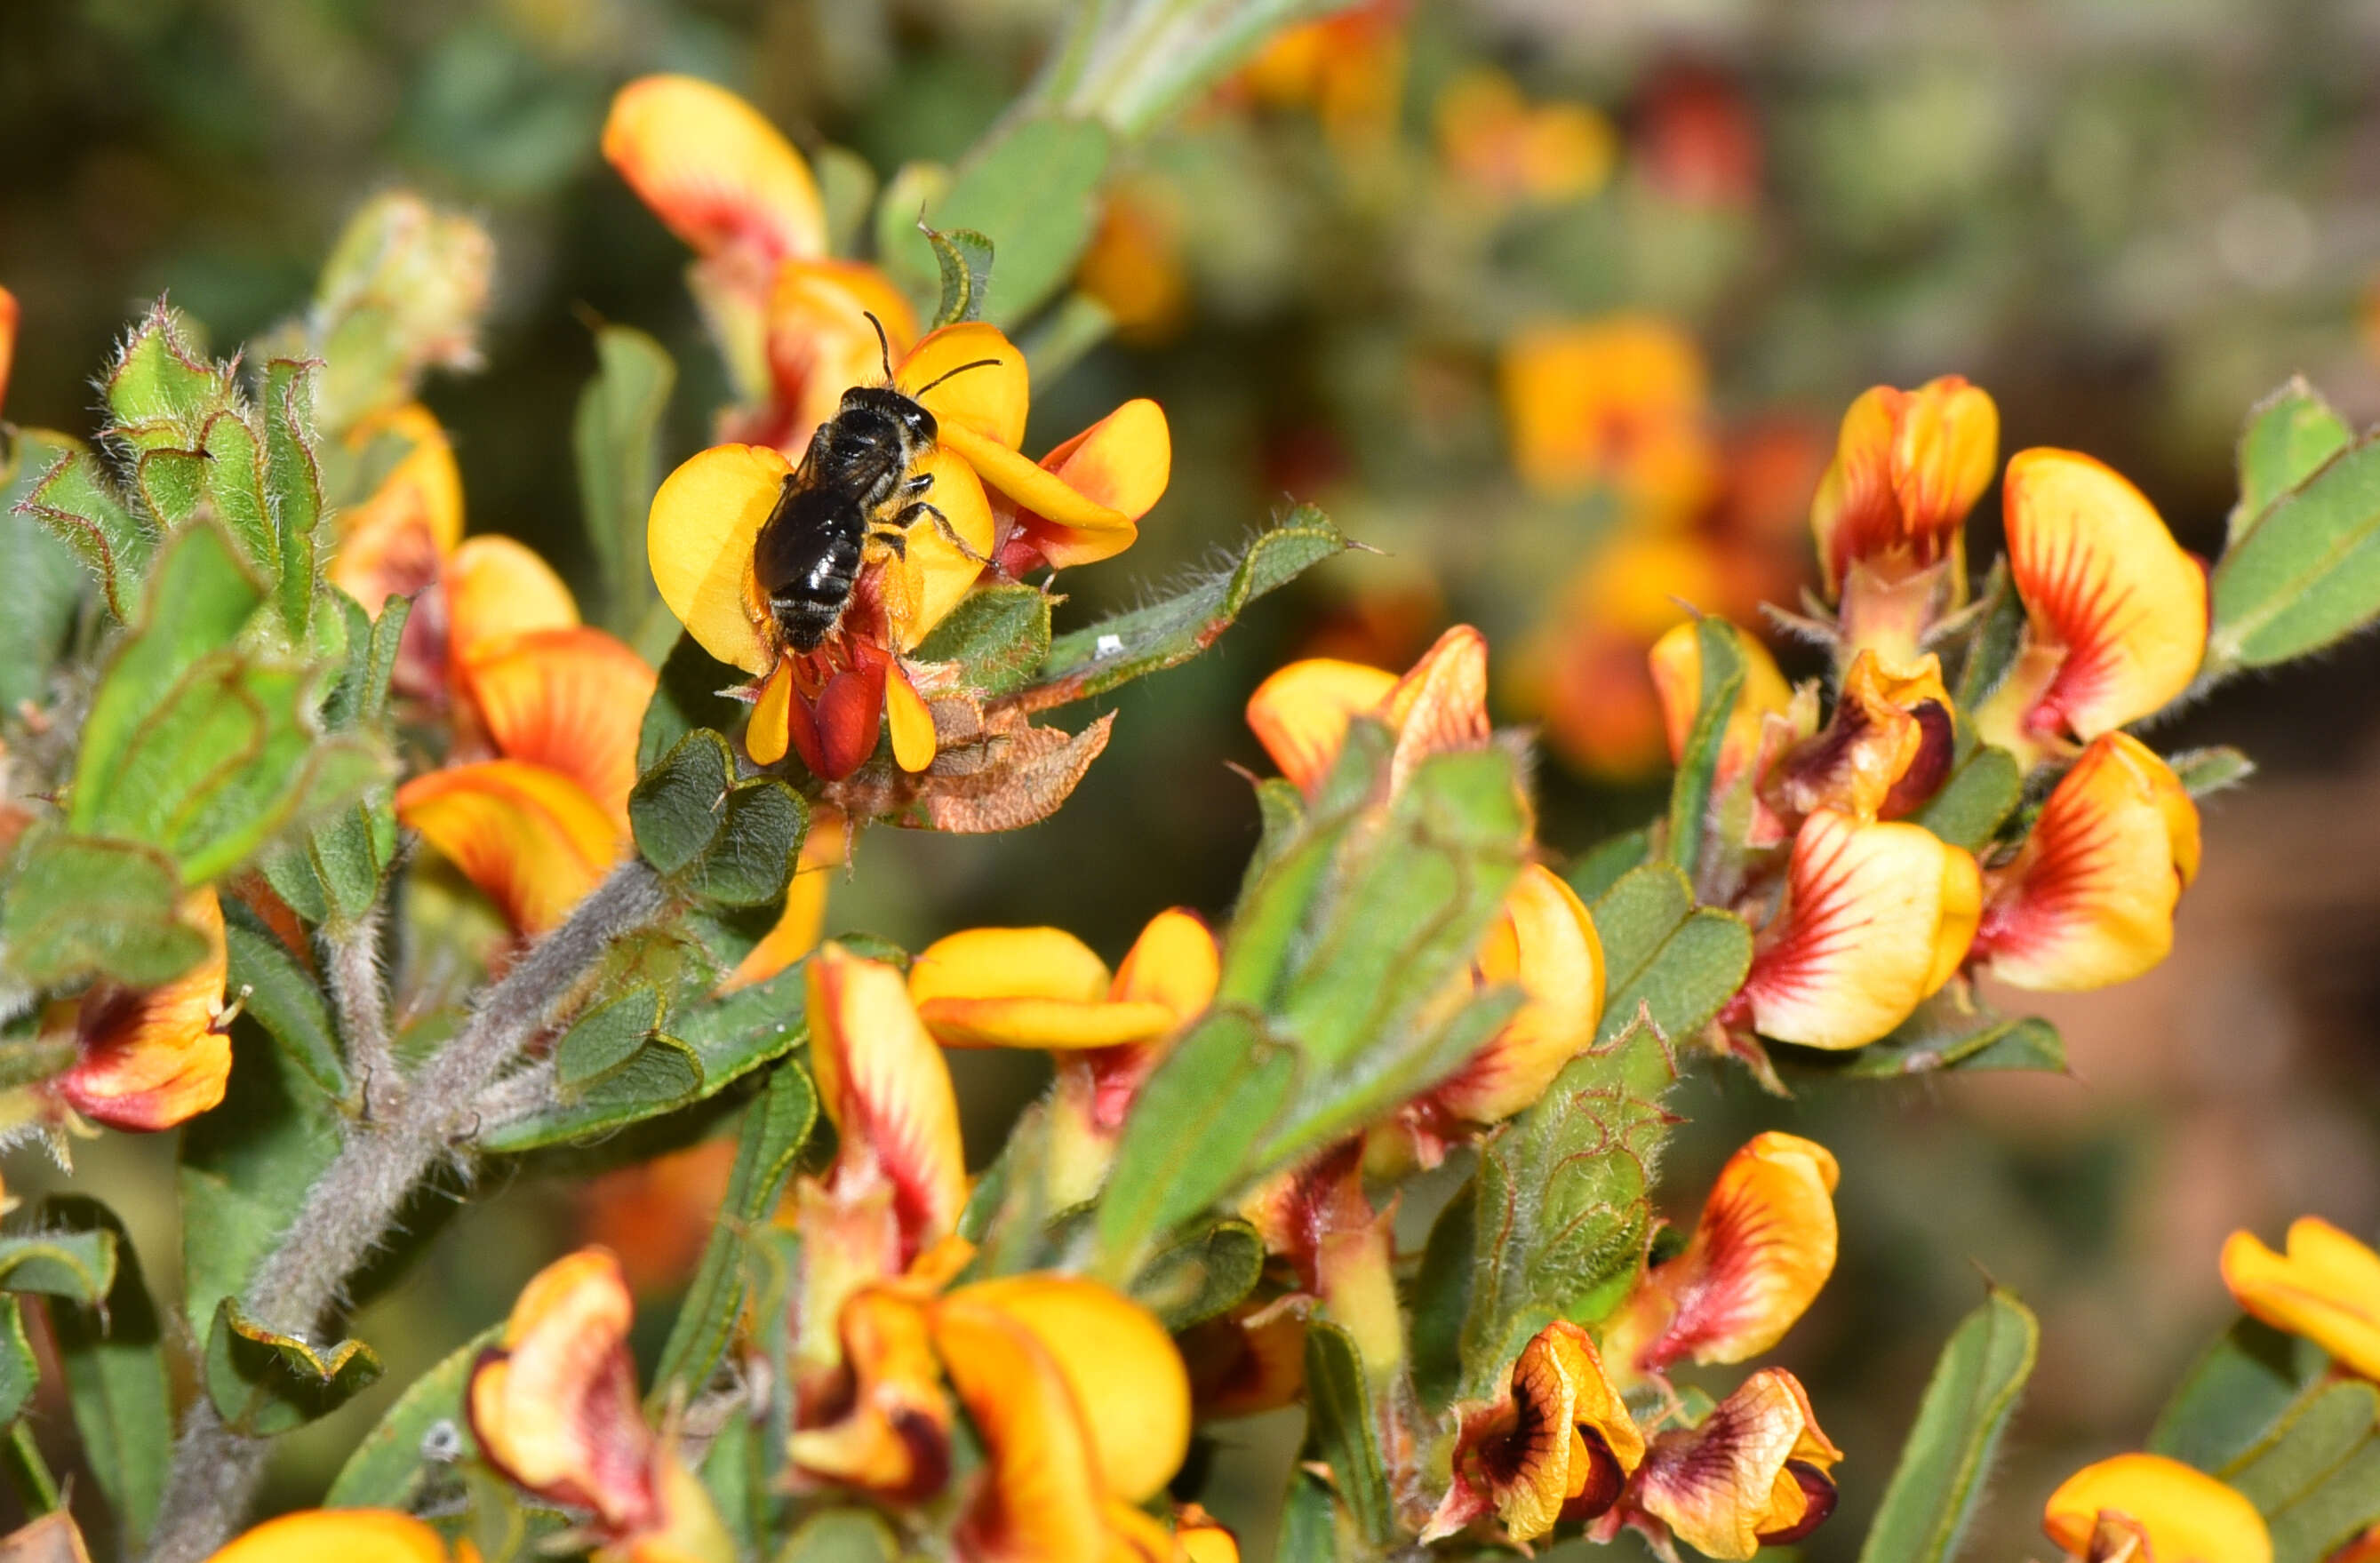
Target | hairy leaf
(2289,436)
(1340,1430)
(76,905)
(998,635)
(1949,1452)
(2236,1391)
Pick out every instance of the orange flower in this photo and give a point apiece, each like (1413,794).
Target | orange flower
(395,543)
(555,1409)
(1494,142)
(1560,1446)
(1618,403)
(1133,264)
(885,1087)
(7,340)
(149,1058)
(2116,611)
(1081,503)
(1348,68)
(2089,899)
(1885,750)
(656,1216)
(1761,1251)
(1756,1472)
(1875,920)
(1677,666)
(352,1536)
(821,343)
(1084,1409)
(1890,512)
(2169,1512)
(2326,1288)
(714,170)
(893,1436)
(1301,713)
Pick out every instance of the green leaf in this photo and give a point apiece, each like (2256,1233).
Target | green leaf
(41,583)
(1949,1452)
(1340,1429)
(78,1266)
(114,1361)
(1033,194)
(615,437)
(80,507)
(1664,955)
(283,999)
(245,1168)
(387,1471)
(1441,1296)
(605,1038)
(163,388)
(1976,799)
(687,697)
(2319,1431)
(721,839)
(2291,435)
(1056,343)
(901,211)
(1115,650)
(1950,1031)
(20,1371)
(293,482)
(1313,1523)
(776,1126)
(1600,868)
(2340,1505)
(231,480)
(962,257)
(1204,1274)
(77,906)
(846,188)
(2237,1390)
(2214,769)
(1721,656)
(998,634)
(265,1382)
(842,1536)
(2307,576)
(720,1041)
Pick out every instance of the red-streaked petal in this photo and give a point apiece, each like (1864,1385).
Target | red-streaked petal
(2102,579)
(1945,444)
(1875,919)
(883,1083)
(496,588)
(533,840)
(895,1437)
(820,341)
(1557,1445)
(149,1058)
(572,700)
(714,170)
(2089,900)
(1040,1499)
(2184,1515)
(1856,513)
(1440,706)
(391,544)
(1300,714)
(1726,1485)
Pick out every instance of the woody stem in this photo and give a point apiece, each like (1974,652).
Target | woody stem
(352,1207)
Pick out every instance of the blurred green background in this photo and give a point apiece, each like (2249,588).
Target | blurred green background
(2126,219)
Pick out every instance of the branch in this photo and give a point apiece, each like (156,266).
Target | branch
(299,1287)
(351,959)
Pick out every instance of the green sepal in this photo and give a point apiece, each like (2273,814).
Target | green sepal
(1722,653)
(264,1382)
(1951,1029)
(1976,799)
(998,634)
(2234,1394)
(283,999)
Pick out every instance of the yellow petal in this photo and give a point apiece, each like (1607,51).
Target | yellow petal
(894,1438)
(534,841)
(2327,1288)
(713,169)
(149,1058)
(555,1406)
(820,341)
(1677,664)
(1024,987)
(1125,1379)
(883,1083)
(937,573)
(1760,1255)
(2188,1516)
(698,539)
(1946,443)
(1545,941)
(799,925)
(392,543)
(1856,513)
(768,732)
(1300,714)
(1174,963)
(1875,919)
(1108,477)
(1756,1472)
(351,1535)
(912,725)
(1203,1538)
(1440,705)
(7,340)
(495,586)
(1041,1500)
(990,402)
(572,700)
(2089,900)
(2102,579)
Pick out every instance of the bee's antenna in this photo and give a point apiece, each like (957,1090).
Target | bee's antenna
(883,345)
(980,363)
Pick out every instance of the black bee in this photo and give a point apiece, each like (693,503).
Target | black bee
(855,485)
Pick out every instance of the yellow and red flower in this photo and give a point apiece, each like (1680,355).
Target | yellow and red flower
(1347,68)
(352,1536)
(7,340)
(1875,919)
(1081,503)
(1890,512)
(1495,143)
(2325,1287)
(1757,1472)
(2115,610)
(1747,741)
(396,541)
(2089,899)
(1620,403)
(1302,712)
(2146,1508)
(555,1408)
(1885,750)
(1758,1257)
(148,1057)
(1559,1444)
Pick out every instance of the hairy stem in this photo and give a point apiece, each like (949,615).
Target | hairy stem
(298,1288)
(351,960)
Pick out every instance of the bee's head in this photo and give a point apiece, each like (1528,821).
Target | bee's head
(902,411)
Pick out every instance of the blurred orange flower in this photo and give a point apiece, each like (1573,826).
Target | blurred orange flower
(1619,404)
(1497,144)
(1347,68)
(2325,1287)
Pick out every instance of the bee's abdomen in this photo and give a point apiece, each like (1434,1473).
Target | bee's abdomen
(810,603)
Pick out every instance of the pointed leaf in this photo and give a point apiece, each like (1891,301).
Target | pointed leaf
(1689,794)
(1340,1429)
(264,1381)
(113,1360)
(615,438)
(998,634)
(1949,1452)
(75,500)
(2291,434)
(2234,1394)
(284,1000)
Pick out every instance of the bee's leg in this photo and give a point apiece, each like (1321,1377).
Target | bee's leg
(942,524)
(895,540)
(918,483)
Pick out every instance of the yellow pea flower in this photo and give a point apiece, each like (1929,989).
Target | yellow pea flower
(1757,1472)
(1301,713)
(2089,899)
(148,1057)
(2168,1513)
(2115,610)
(1620,403)
(709,167)
(1676,661)
(1885,750)
(1875,919)
(1758,1257)
(352,1536)
(1559,1444)
(2324,1287)
(395,543)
